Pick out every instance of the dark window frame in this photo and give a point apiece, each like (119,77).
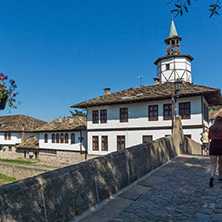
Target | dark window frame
(53,138)
(168,66)
(7,136)
(147,140)
(73,138)
(167,108)
(123,115)
(103,115)
(95,116)
(95,143)
(45,138)
(57,137)
(153,113)
(104,143)
(121,142)
(183,108)
(61,138)
(66,138)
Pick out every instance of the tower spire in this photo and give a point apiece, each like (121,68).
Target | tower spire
(173,31)
(173,40)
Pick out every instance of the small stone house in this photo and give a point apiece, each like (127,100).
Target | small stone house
(16,129)
(62,140)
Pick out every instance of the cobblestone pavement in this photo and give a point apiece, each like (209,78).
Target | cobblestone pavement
(178,191)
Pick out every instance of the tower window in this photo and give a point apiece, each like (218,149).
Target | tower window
(167,66)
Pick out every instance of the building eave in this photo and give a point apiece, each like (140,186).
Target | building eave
(167,57)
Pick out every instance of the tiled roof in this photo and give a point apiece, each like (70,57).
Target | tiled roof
(214,115)
(154,92)
(30,143)
(14,123)
(66,124)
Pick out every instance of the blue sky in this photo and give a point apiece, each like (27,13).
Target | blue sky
(64,52)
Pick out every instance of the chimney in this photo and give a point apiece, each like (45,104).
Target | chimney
(23,134)
(71,121)
(107,91)
(60,119)
(156,81)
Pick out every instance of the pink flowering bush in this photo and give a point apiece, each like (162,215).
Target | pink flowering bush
(8,90)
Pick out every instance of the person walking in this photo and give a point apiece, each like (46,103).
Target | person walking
(205,140)
(215,135)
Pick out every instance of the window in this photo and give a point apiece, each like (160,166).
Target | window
(103,116)
(188,135)
(167,111)
(66,138)
(153,113)
(147,139)
(7,135)
(57,138)
(123,115)
(95,143)
(61,138)
(46,138)
(167,66)
(53,138)
(206,112)
(95,116)
(120,142)
(24,154)
(184,110)
(72,138)
(104,143)
(36,155)
(10,148)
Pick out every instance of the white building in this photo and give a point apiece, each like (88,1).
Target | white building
(62,140)
(15,129)
(136,115)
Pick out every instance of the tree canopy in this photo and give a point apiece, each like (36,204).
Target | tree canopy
(78,113)
(181,6)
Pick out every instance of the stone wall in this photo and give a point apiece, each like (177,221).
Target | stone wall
(19,171)
(8,152)
(63,194)
(49,157)
(191,146)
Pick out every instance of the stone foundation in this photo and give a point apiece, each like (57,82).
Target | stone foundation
(48,157)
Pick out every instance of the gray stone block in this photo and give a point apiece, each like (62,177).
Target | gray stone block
(120,166)
(57,187)
(22,201)
(139,161)
(85,191)
(105,177)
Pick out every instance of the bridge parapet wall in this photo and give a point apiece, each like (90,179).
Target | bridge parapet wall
(63,194)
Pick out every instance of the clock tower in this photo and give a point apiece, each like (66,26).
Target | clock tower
(173,65)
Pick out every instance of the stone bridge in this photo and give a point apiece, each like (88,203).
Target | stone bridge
(147,182)
(176,191)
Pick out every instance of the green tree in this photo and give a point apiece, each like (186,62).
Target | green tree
(183,5)
(77,112)
(214,108)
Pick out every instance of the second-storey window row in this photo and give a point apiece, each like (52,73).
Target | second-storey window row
(60,138)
